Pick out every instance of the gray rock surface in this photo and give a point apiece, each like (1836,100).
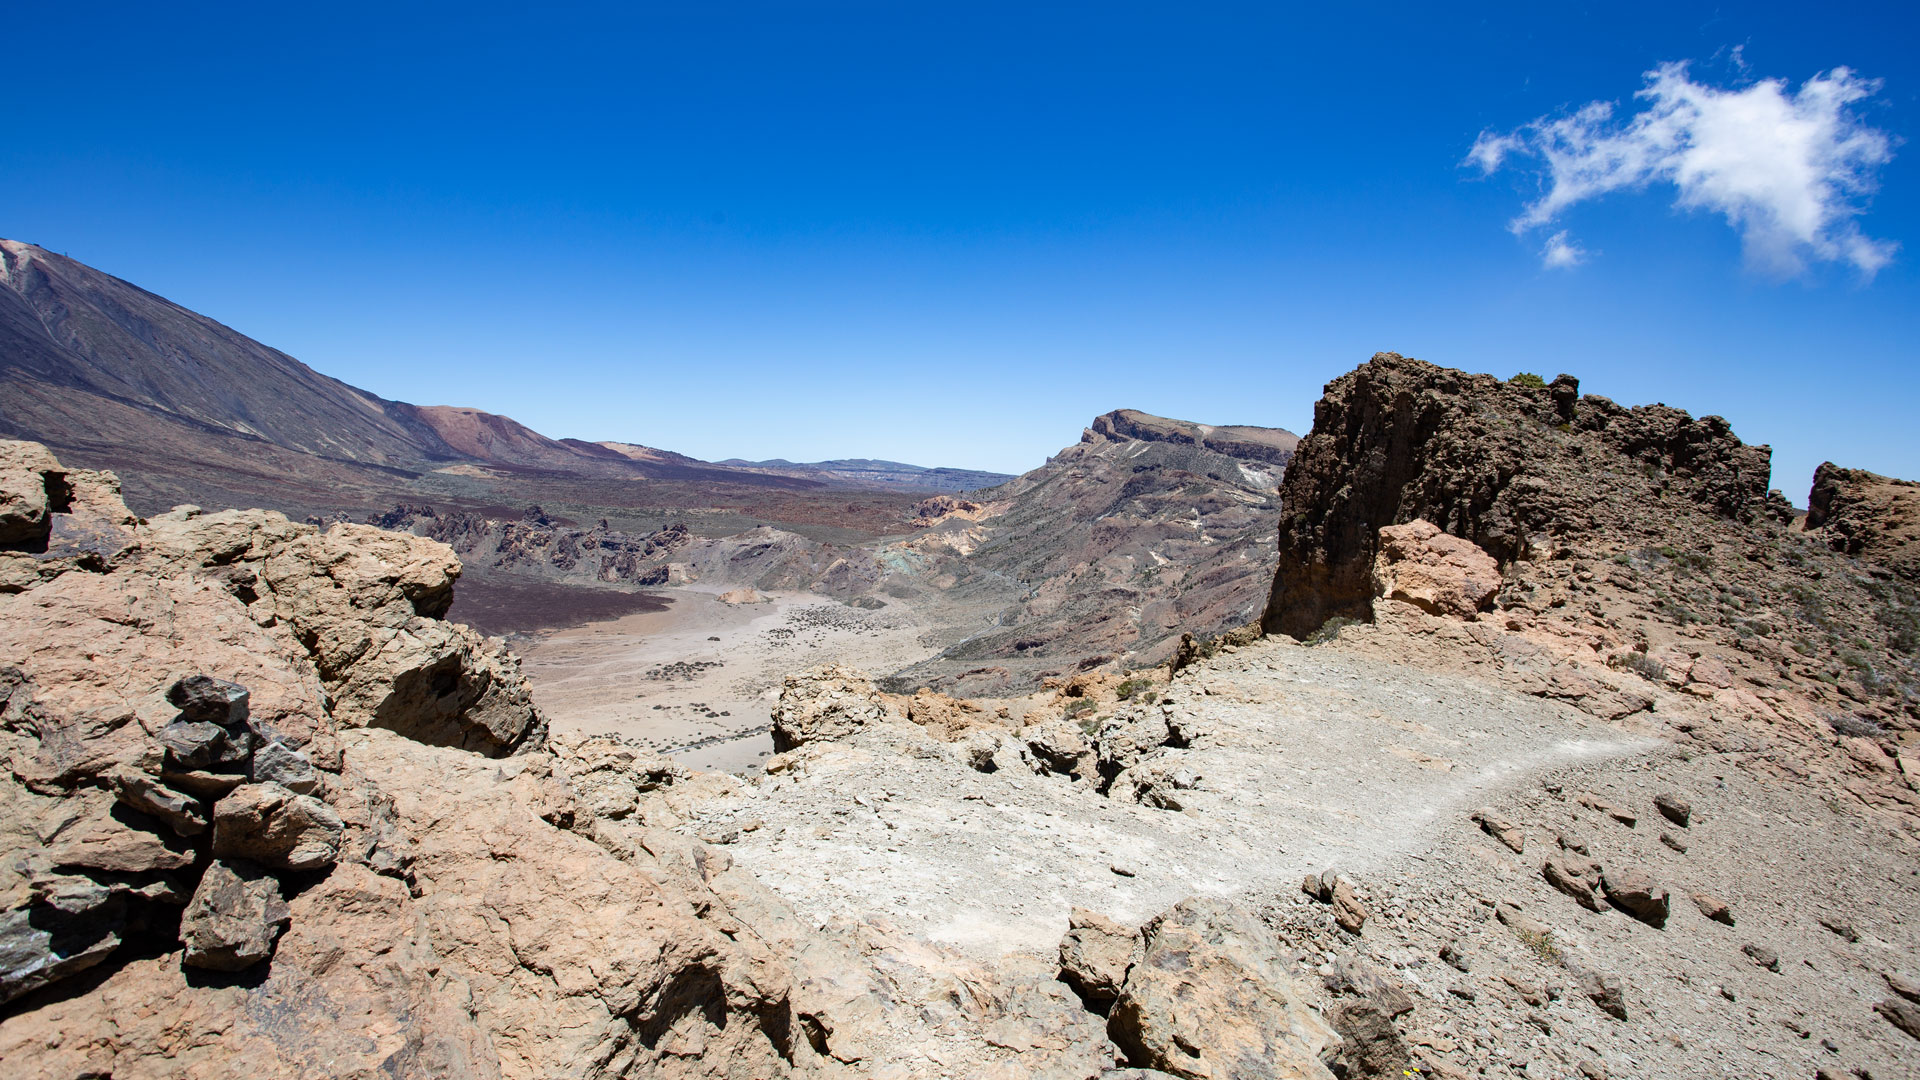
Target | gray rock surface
(234,918)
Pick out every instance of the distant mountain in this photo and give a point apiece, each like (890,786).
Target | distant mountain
(869,473)
(110,375)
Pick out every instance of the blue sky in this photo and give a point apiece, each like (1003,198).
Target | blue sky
(952,234)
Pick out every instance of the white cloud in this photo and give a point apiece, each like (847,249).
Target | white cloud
(1562,253)
(1786,170)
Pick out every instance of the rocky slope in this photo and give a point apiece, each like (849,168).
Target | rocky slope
(1104,556)
(1867,516)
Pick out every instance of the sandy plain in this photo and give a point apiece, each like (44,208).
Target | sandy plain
(698,680)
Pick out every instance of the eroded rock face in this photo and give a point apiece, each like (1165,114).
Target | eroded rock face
(1438,573)
(1868,516)
(234,918)
(1209,1000)
(1506,467)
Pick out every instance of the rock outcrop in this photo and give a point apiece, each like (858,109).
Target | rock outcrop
(1514,470)
(254,791)
(1868,516)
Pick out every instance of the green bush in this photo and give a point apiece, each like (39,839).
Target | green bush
(1530,380)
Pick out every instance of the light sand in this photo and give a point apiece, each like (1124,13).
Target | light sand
(699,680)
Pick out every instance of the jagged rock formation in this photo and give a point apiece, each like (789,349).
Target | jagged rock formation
(1514,469)
(240,745)
(1637,549)
(1868,516)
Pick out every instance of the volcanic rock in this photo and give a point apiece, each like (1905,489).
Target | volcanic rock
(1633,892)
(828,703)
(274,826)
(234,918)
(1872,517)
(1095,954)
(1438,573)
(1209,1000)
(1674,808)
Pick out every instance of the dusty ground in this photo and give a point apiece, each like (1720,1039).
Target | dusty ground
(1311,758)
(697,680)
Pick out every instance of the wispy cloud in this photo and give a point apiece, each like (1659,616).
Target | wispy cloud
(1786,169)
(1562,253)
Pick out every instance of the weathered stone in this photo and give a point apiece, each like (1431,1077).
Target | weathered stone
(1674,808)
(234,917)
(276,762)
(202,699)
(1370,1046)
(1762,956)
(1634,892)
(1900,984)
(276,827)
(1674,842)
(1575,876)
(1501,829)
(1095,954)
(1349,913)
(828,703)
(1440,574)
(1619,814)
(184,815)
(1713,908)
(1606,991)
(1208,999)
(1904,1015)
(99,836)
(195,745)
(74,925)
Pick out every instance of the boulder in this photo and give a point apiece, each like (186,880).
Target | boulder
(182,813)
(1440,574)
(277,763)
(276,827)
(1605,991)
(1634,892)
(234,918)
(1674,808)
(828,703)
(1209,1000)
(1095,954)
(201,699)
(1501,829)
(1349,913)
(1904,1015)
(1576,876)
(1713,908)
(1370,1046)
(71,925)
(1762,956)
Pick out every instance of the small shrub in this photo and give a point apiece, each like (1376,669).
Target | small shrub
(1645,666)
(1079,707)
(1130,687)
(1541,944)
(1529,380)
(1330,630)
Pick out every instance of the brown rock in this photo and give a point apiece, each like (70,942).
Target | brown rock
(1900,984)
(1209,999)
(1605,991)
(1867,516)
(1632,891)
(1501,829)
(828,703)
(96,835)
(276,827)
(1398,440)
(1095,954)
(1673,808)
(1904,1015)
(234,918)
(1349,913)
(1370,1046)
(1438,573)
(1596,803)
(1713,908)
(1575,876)
(1674,842)
(1762,956)
(183,814)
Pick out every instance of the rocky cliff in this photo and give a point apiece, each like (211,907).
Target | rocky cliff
(1514,469)
(1868,516)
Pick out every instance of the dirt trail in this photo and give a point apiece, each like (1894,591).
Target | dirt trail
(1306,759)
